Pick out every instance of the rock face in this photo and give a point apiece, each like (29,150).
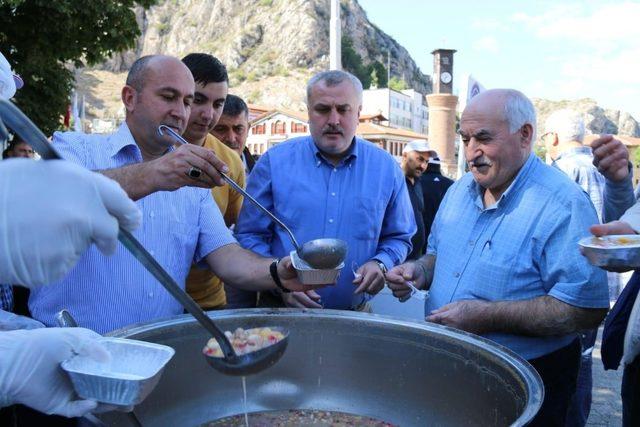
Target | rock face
(270,47)
(597,119)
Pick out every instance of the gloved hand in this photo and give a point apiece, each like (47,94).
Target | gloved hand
(50,212)
(30,371)
(11,321)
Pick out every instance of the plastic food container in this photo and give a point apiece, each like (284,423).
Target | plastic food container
(313,276)
(132,373)
(612,251)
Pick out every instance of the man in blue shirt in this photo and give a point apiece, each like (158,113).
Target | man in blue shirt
(332,184)
(181,223)
(502,258)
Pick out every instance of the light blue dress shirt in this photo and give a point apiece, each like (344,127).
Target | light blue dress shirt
(179,227)
(363,200)
(525,246)
(611,199)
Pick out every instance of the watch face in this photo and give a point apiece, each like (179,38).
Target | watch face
(445,78)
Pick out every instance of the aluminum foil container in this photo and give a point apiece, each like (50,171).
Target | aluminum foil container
(312,276)
(612,251)
(131,374)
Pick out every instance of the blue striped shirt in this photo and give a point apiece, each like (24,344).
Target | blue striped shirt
(362,200)
(525,246)
(178,228)
(611,199)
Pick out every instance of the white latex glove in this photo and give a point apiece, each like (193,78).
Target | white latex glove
(11,321)
(30,371)
(50,212)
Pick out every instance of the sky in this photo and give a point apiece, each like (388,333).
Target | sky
(547,49)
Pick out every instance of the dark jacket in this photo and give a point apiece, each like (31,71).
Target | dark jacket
(434,187)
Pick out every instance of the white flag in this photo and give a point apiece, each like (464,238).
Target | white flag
(473,88)
(77,123)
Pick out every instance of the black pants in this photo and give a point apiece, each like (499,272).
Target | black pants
(630,393)
(559,372)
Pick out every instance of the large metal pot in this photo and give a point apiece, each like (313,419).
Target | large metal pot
(405,373)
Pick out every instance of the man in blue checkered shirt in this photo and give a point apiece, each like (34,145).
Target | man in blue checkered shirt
(502,259)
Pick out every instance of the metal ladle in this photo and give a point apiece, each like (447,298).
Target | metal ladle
(318,253)
(231,363)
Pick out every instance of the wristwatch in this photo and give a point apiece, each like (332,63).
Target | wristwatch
(381,265)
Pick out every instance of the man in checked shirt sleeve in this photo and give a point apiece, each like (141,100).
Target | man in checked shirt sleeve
(503,260)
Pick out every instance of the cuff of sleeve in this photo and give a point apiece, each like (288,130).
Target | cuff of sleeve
(385,259)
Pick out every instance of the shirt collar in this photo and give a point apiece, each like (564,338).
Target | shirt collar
(352,153)
(573,151)
(477,191)
(122,139)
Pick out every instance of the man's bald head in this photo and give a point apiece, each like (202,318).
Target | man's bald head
(142,66)
(509,104)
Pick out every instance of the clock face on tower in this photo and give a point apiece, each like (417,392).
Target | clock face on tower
(445,78)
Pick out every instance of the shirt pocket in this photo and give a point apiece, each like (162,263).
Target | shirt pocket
(493,276)
(367,217)
(183,239)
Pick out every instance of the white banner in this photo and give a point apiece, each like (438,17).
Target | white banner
(473,88)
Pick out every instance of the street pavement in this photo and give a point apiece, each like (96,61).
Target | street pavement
(606,407)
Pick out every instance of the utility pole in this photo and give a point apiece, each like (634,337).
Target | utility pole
(335,37)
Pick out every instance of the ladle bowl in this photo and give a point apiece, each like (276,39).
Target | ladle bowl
(323,253)
(254,362)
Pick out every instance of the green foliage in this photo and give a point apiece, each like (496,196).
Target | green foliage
(41,38)
(540,151)
(352,62)
(397,84)
(266,3)
(634,155)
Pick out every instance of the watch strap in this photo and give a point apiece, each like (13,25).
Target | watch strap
(273,270)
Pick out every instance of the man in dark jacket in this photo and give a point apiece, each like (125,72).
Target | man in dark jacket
(434,186)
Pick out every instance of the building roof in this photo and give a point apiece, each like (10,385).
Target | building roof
(371,130)
(629,141)
(371,117)
(297,115)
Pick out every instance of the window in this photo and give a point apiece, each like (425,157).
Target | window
(258,129)
(278,128)
(298,128)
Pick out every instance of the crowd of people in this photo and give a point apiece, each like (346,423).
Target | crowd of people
(497,249)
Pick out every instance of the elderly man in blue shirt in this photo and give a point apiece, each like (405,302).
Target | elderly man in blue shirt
(332,184)
(502,259)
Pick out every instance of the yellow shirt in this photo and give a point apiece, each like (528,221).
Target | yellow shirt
(204,286)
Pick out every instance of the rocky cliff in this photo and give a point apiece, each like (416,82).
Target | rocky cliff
(597,119)
(270,47)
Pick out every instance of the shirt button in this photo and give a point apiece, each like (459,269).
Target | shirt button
(330,221)
(456,275)
(150,294)
(335,170)
(470,242)
(152,253)
(152,214)
(333,194)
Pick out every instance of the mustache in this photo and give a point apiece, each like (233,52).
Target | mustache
(480,161)
(330,128)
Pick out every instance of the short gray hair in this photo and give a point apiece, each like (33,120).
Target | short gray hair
(519,111)
(334,78)
(568,124)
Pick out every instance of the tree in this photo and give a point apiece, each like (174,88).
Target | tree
(44,39)
(352,62)
(374,79)
(397,84)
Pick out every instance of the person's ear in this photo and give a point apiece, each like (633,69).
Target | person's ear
(526,134)
(129,97)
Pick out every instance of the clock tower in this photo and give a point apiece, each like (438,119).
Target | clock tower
(442,111)
(443,70)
